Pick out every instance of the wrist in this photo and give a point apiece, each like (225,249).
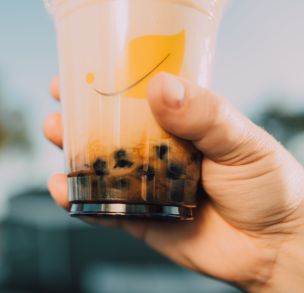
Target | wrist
(286,273)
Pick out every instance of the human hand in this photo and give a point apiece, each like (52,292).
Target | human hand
(250,229)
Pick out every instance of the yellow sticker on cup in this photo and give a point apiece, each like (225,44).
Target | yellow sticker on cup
(145,57)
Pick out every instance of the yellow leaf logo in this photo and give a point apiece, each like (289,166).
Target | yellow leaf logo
(145,57)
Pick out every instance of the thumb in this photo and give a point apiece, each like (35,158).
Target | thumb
(214,126)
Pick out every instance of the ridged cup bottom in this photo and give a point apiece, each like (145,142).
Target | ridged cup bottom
(123,210)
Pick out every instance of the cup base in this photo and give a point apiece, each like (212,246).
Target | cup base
(131,211)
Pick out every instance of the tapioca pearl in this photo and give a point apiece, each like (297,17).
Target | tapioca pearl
(121,154)
(146,171)
(121,183)
(123,164)
(100,167)
(161,151)
(177,190)
(175,171)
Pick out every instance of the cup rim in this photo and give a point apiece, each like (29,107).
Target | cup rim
(52,4)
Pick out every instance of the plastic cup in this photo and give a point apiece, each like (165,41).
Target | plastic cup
(119,161)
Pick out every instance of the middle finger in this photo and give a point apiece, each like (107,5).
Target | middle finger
(53,129)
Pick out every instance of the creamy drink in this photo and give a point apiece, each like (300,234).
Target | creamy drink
(118,160)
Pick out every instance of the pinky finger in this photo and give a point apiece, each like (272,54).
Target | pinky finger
(58,187)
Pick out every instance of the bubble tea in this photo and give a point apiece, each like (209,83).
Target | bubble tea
(119,161)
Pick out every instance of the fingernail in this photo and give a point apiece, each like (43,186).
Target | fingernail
(173,91)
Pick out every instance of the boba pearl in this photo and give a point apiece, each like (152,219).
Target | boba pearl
(175,171)
(123,164)
(161,151)
(177,190)
(120,155)
(100,167)
(146,171)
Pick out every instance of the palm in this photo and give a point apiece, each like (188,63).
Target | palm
(209,244)
(214,243)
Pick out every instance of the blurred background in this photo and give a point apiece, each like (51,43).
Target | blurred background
(259,67)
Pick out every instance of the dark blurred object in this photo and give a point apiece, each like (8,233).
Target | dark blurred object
(13,127)
(13,131)
(143,278)
(282,123)
(44,250)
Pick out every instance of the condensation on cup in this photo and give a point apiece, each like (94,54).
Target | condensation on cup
(119,161)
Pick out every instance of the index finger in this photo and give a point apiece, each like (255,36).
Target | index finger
(55,88)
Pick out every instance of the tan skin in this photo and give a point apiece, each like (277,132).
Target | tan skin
(249,230)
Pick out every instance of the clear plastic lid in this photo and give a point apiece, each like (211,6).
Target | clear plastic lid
(208,7)
(48,5)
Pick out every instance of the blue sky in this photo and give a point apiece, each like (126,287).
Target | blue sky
(259,57)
